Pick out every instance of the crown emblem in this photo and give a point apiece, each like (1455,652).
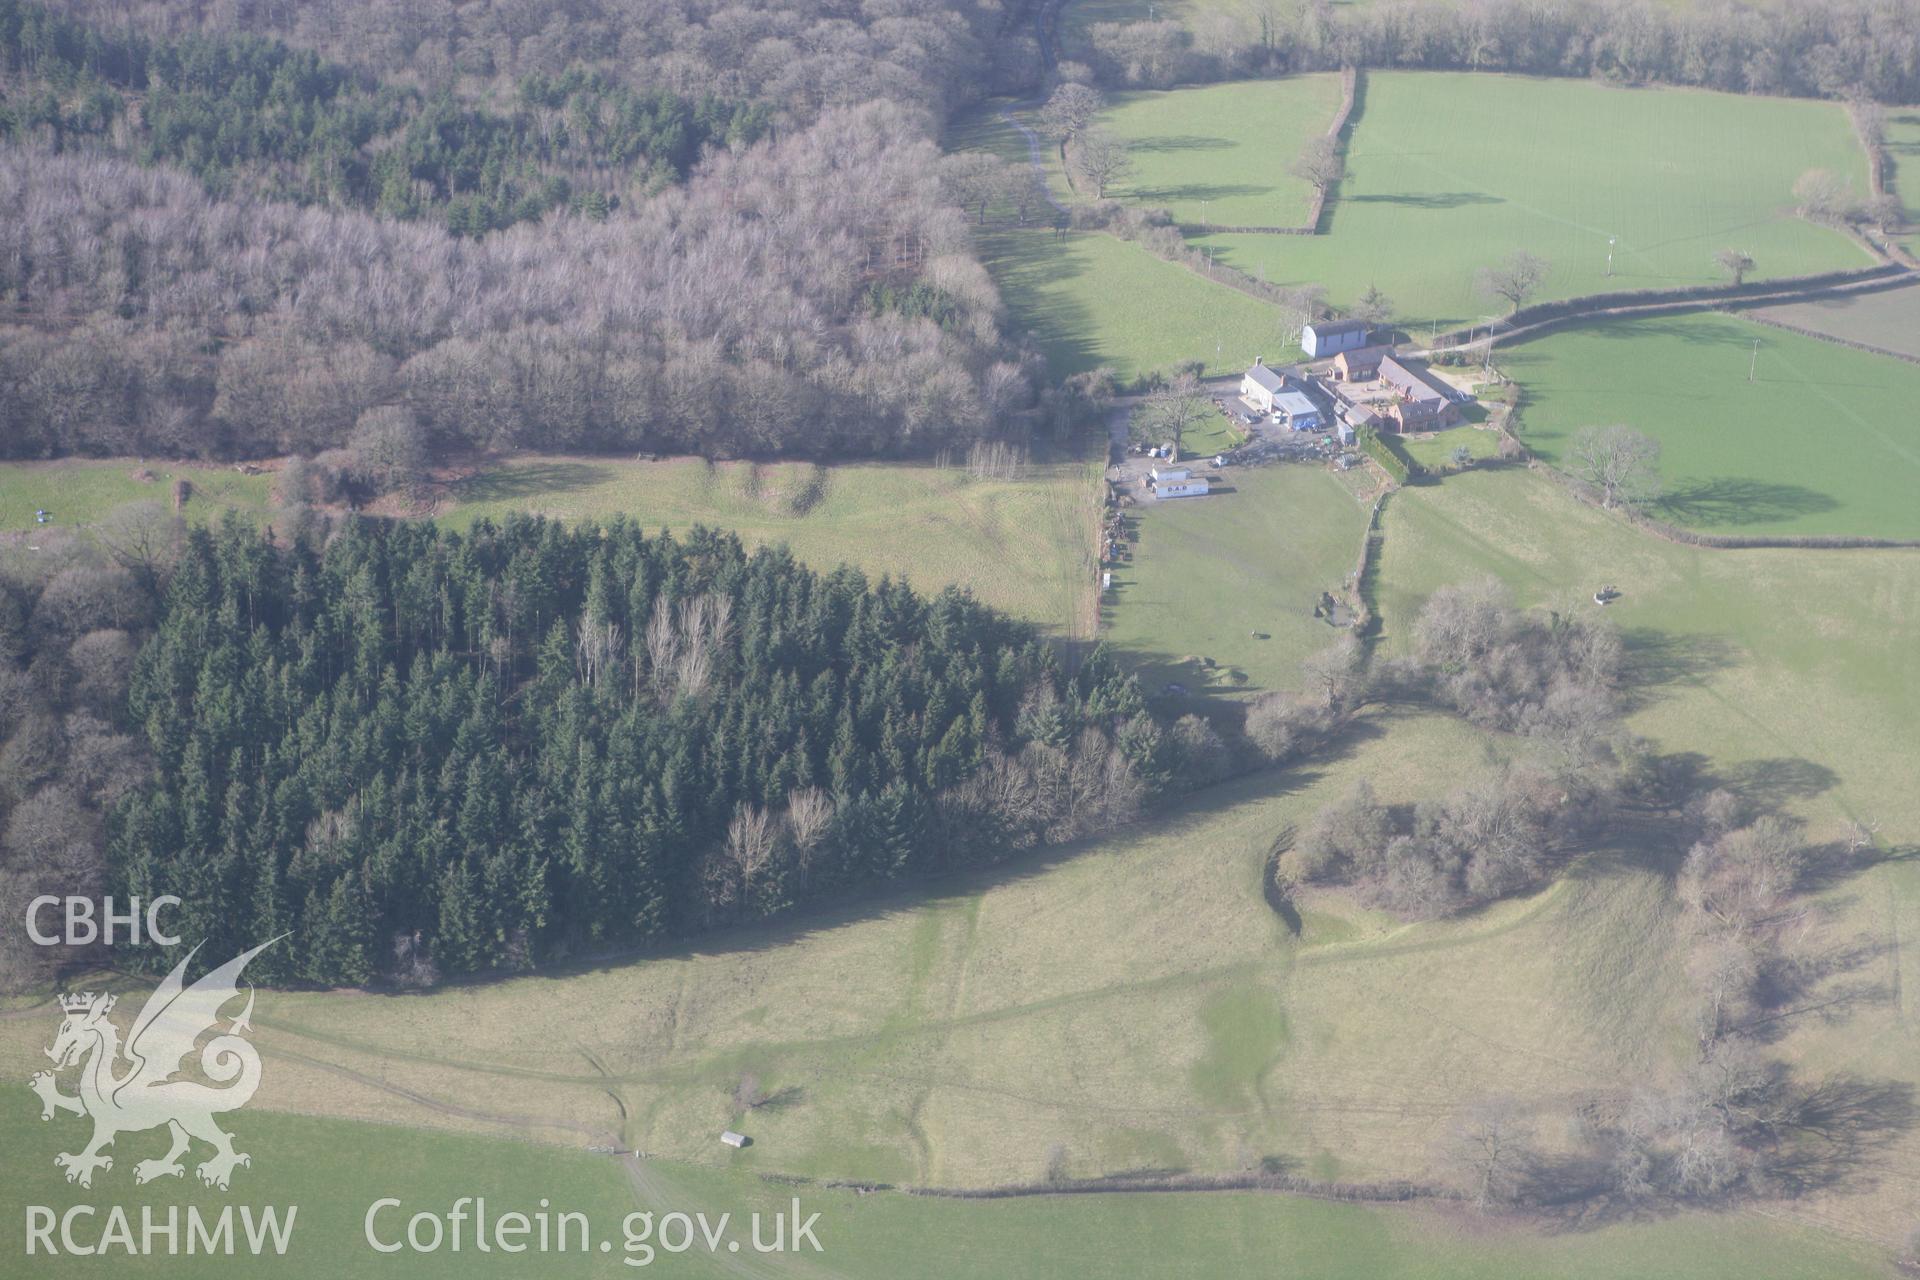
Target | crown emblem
(85,1002)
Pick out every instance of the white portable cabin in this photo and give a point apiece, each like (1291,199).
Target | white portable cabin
(1183,489)
(1170,475)
(733,1139)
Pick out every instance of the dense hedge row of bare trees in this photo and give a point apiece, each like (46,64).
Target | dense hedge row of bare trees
(1826,48)
(730,316)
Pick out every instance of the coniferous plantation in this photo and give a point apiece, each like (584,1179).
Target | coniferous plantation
(429,754)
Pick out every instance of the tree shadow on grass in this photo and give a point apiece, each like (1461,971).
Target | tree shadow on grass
(1775,783)
(528,480)
(1196,191)
(1735,500)
(1656,659)
(1430,199)
(1177,142)
(1026,264)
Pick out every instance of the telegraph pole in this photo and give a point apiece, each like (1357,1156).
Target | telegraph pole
(1753,364)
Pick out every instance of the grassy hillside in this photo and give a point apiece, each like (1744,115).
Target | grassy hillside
(1448,173)
(1092,300)
(1134,1003)
(1220,154)
(1023,545)
(1785,673)
(1208,575)
(1823,440)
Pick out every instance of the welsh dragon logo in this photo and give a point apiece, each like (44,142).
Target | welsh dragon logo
(145,1094)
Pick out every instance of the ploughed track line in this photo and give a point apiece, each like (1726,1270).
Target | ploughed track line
(1905,277)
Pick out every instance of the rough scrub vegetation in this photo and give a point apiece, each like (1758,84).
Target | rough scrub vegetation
(1548,679)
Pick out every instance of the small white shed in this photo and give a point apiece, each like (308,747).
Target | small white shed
(733,1139)
(1169,475)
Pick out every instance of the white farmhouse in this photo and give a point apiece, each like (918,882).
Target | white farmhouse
(1260,384)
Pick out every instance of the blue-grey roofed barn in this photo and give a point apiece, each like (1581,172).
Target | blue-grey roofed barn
(1330,337)
(1302,414)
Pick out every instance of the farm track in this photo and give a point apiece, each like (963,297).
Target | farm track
(1902,277)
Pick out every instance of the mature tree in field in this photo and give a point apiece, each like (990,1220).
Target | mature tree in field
(1735,882)
(1824,196)
(1318,162)
(1022,189)
(1515,278)
(1489,1146)
(144,539)
(390,448)
(1345,839)
(1621,464)
(1332,673)
(1101,159)
(1070,110)
(1374,307)
(1887,211)
(1724,969)
(1736,264)
(1140,53)
(1171,411)
(1280,725)
(974,180)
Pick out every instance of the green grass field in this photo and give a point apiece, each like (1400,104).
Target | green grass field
(1208,574)
(1092,300)
(1219,155)
(1890,321)
(1448,173)
(878,1236)
(1434,451)
(1822,441)
(1216,434)
(80,491)
(1022,545)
